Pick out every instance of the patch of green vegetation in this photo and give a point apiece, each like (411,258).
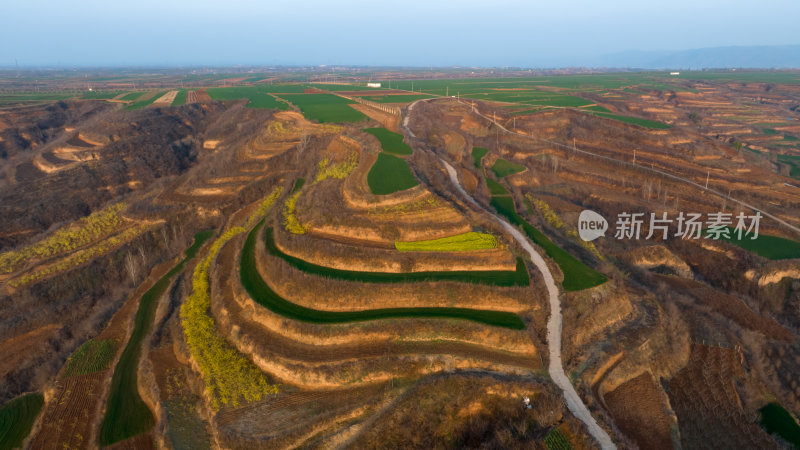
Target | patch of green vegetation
(503,168)
(132,96)
(477,155)
(596,108)
(33,97)
(766,246)
(390,174)
(180,98)
(793,162)
(17,418)
(298,184)
(126,413)
(146,102)
(261,293)
(577,275)
(390,142)
(458,243)
(636,121)
(495,188)
(769,131)
(555,440)
(325,107)
(257,96)
(789,137)
(92,356)
(518,277)
(776,420)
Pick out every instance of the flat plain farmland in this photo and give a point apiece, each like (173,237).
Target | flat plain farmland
(325,107)
(257,96)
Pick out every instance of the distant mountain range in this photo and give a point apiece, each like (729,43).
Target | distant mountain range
(763,56)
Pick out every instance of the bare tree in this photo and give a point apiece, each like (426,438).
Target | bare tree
(132,267)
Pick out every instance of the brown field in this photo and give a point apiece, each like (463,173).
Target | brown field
(638,409)
(709,410)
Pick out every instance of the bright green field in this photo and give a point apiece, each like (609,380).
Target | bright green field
(261,293)
(458,243)
(257,96)
(577,275)
(33,97)
(477,155)
(636,121)
(92,356)
(325,107)
(390,174)
(142,103)
(180,98)
(776,420)
(17,418)
(391,142)
(132,96)
(770,247)
(126,413)
(794,164)
(519,277)
(496,188)
(503,168)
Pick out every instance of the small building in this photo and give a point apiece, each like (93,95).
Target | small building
(373,85)
(674,73)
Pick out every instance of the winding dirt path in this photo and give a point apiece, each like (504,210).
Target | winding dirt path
(556,368)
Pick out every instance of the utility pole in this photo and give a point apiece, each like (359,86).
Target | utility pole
(447,91)
(708,174)
(634,157)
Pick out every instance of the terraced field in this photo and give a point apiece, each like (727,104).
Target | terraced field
(17,418)
(126,413)
(325,108)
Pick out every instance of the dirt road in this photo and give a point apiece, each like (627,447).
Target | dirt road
(574,402)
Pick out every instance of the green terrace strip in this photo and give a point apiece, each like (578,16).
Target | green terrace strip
(390,142)
(261,293)
(458,243)
(93,356)
(257,96)
(794,164)
(635,120)
(477,155)
(766,246)
(126,413)
(518,277)
(495,188)
(131,96)
(776,420)
(577,275)
(503,168)
(142,103)
(325,107)
(390,174)
(298,184)
(180,98)
(17,418)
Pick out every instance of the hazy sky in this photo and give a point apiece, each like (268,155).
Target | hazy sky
(530,33)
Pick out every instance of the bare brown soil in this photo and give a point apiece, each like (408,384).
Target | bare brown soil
(638,409)
(709,410)
(20,347)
